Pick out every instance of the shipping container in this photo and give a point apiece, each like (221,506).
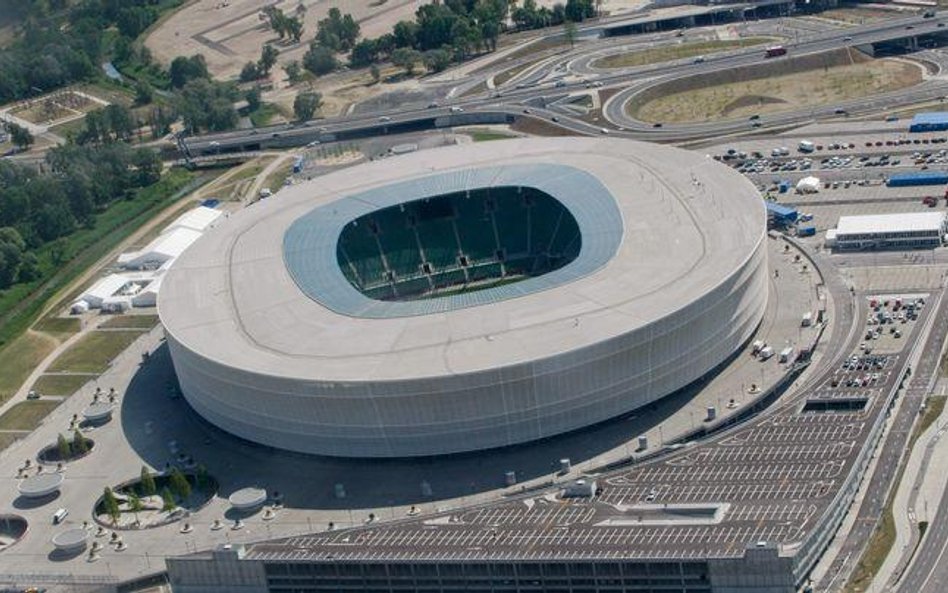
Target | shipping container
(918,178)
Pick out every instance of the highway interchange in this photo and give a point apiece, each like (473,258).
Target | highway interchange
(555,80)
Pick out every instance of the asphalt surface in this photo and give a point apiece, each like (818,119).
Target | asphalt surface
(889,456)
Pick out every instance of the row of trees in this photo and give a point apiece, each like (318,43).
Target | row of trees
(77,181)
(440,34)
(530,16)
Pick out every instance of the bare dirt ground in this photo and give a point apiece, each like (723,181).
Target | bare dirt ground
(783,92)
(229,36)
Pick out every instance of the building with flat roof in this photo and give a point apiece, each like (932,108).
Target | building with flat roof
(932,121)
(167,246)
(908,230)
(469,297)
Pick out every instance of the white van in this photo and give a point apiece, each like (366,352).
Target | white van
(59,515)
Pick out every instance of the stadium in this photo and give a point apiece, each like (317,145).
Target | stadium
(467,298)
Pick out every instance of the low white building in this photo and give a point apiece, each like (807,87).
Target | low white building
(167,246)
(148,296)
(909,230)
(105,288)
(196,219)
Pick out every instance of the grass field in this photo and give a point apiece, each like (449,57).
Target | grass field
(780,93)
(676,52)
(19,359)
(58,327)
(60,384)
(262,116)
(93,352)
(131,322)
(488,135)
(275,180)
(8,438)
(26,415)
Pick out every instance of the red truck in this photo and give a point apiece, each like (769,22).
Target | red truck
(774,51)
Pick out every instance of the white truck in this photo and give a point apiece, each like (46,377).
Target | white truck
(766,353)
(785,354)
(806,146)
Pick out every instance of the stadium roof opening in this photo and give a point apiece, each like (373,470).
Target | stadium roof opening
(376,253)
(445,245)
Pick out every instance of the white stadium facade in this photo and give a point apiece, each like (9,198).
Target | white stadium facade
(467,298)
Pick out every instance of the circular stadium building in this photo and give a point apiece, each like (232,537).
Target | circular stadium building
(468,297)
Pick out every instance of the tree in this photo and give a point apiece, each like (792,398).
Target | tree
(179,484)
(147,482)
(135,504)
(437,60)
(79,443)
(405,33)
(11,255)
(293,72)
(363,53)
(319,60)
(29,268)
(249,72)
(569,32)
(268,57)
(337,32)
(202,479)
(579,10)
(183,70)
(406,58)
(253,98)
(19,135)
(63,446)
(111,505)
(375,72)
(143,93)
(206,105)
(167,500)
(306,104)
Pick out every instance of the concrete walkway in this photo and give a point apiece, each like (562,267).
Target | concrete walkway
(916,499)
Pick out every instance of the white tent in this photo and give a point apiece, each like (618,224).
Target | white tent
(808,185)
(197,219)
(103,289)
(167,246)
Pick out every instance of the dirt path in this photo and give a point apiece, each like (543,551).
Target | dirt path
(257,185)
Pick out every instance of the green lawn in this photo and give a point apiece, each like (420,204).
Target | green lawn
(488,135)
(26,415)
(19,359)
(131,322)
(262,116)
(60,384)
(8,438)
(58,326)
(93,352)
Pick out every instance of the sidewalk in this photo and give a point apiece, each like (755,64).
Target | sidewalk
(917,497)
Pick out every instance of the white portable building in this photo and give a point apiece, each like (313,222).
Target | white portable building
(166,246)
(808,185)
(197,219)
(96,294)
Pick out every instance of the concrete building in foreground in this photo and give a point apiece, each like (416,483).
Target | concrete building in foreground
(466,298)
(908,230)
